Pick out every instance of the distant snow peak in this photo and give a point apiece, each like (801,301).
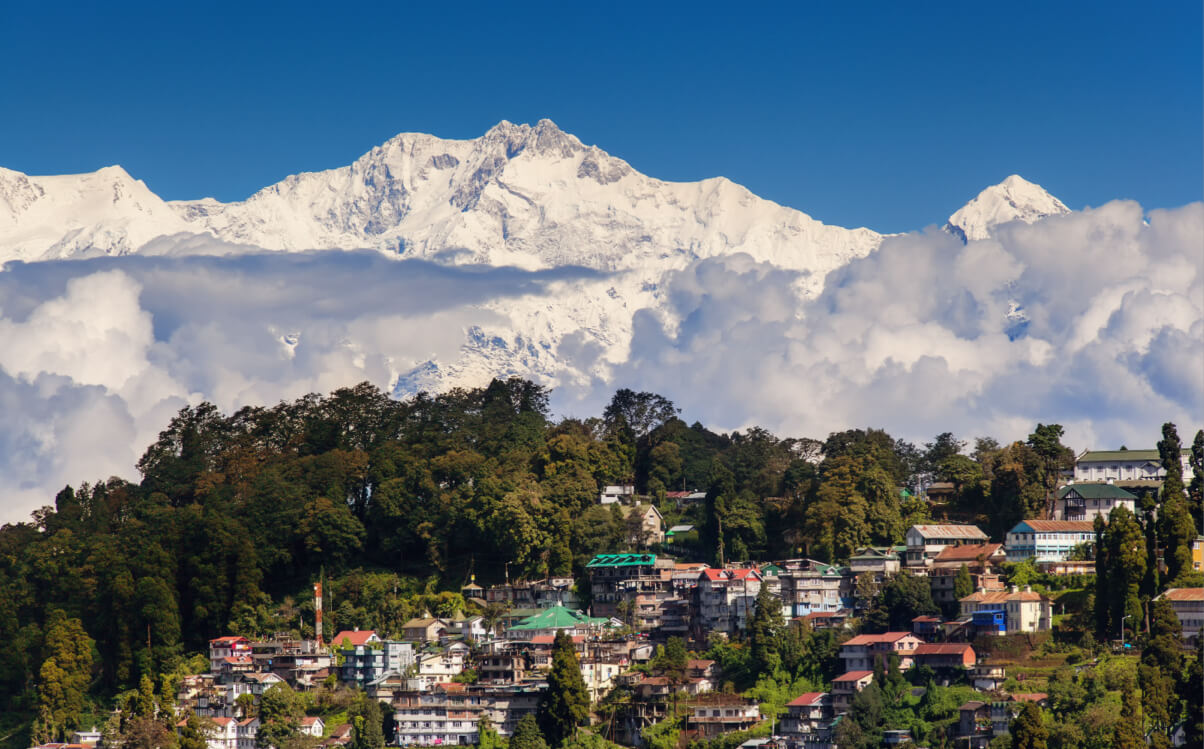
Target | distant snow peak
(1014,199)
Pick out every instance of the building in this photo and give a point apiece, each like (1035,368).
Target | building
(556,619)
(449,713)
(880,561)
(1188,604)
(227,647)
(364,664)
(726,599)
(722,713)
(809,586)
(846,686)
(311,726)
(1023,611)
(632,587)
(806,713)
(1048,540)
(353,637)
(643,525)
(945,656)
(983,561)
(424,630)
(616,494)
(925,542)
(1126,465)
(1197,554)
(538,594)
(1086,501)
(863,651)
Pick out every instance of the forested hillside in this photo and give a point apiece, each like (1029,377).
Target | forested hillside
(396,503)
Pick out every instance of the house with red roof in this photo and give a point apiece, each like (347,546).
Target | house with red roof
(863,651)
(230,646)
(845,686)
(355,638)
(1025,611)
(806,713)
(726,598)
(945,656)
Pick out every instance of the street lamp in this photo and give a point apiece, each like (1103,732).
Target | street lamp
(1123,619)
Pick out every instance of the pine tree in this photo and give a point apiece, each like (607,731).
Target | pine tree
(194,733)
(1028,729)
(1195,490)
(527,735)
(366,726)
(565,704)
(765,629)
(1175,527)
(1127,734)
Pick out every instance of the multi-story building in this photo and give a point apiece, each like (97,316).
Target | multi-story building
(926,542)
(556,619)
(631,587)
(1126,465)
(863,651)
(846,686)
(449,713)
(1086,501)
(880,561)
(809,586)
(807,713)
(726,599)
(540,594)
(983,561)
(1024,611)
(1047,540)
(716,714)
(1188,604)
(364,664)
(227,647)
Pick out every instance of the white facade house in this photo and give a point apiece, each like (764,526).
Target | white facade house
(1125,465)
(925,542)
(1086,501)
(1047,540)
(1188,604)
(614,494)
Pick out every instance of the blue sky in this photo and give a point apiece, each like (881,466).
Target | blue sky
(886,115)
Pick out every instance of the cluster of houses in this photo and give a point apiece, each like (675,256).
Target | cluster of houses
(443,676)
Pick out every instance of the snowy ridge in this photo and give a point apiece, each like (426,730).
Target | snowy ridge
(1014,199)
(533,197)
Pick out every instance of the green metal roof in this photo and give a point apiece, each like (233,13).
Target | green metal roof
(1099,456)
(622,560)
(557,617)
(1096,491)
(771,569)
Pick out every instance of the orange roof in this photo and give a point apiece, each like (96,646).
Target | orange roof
(872,639)
(227,640)
(943,648)
(720,575)
(810,698)
(967,552)
(222,721)
(853,676)
(354,636)
(1184,594)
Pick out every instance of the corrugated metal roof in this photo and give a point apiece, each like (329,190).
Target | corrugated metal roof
(950,531)
(1055,526)
(1096,491)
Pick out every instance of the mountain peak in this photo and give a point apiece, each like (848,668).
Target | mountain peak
(1013,199)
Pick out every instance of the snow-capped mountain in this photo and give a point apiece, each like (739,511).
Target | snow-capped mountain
(533,197)
(1014,199)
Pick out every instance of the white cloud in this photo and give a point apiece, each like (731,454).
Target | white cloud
(97,355)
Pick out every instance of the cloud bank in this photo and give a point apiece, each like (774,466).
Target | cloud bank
(1094,320)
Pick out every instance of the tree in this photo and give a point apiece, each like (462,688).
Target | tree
(527,735)
(963,583)
(765,630)
(280,714)
(487,735)
(195,732)
(1127,734)
(1176,529)
(903,597)
(1046,441)
(367,730)
(565,704)
(64,675)
(1195,490)
(1028,729)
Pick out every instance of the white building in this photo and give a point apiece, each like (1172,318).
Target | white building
(1086,501)
(1125,465)
(614,494)
(726,598)
(1047,540)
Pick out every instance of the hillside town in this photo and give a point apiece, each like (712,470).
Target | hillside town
(484,667)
